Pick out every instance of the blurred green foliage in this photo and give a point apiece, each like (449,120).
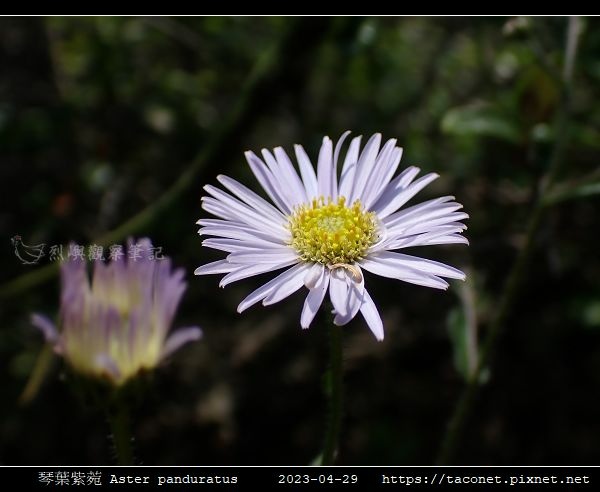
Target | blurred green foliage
(99,116)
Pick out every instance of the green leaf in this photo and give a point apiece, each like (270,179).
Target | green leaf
(479,120)
(317,460)
(591,315)
(586,311)
(571,193)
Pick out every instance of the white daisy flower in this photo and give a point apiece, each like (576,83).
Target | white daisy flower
(326,230)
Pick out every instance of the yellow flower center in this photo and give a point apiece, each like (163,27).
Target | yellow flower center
(332,233)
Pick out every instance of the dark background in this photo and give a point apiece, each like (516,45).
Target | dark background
(100,117)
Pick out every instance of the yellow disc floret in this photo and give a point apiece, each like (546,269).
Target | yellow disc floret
(332,233)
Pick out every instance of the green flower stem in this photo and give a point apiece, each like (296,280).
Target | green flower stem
(521,265)
(335,395)
(120,424)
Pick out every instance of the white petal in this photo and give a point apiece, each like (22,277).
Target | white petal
(245,213)
(349,168)
(314,275)
(354,300)
(374,178)
(314,299)
(405,177)
(220,222)
(450,239)
(180,338)
(46,327)
(432,213)
(215,207)
(246,271)
(267,181)
(292,178)
(420,264)
(263,256)
(426,226)
(338,291)
(371,315)
(392,198)
(251,198)
(336,154)
(386,175)
(285,185)
(286,287)
(430,237)
(338,147)
(224,211)
(228,245)
(309,178)
(263,291)
(233,225)
(325,169)
(398,184)
(418,209)
(364,167)
(244,232)
(402,272)
(219,266)
(247,245)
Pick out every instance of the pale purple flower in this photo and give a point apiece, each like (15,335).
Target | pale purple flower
(119,325)
(325,230)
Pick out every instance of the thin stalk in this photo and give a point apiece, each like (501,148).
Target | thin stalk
(335,395)
(120,424)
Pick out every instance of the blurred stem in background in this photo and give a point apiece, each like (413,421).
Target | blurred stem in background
(520,267)
(287,60)
(42,367)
